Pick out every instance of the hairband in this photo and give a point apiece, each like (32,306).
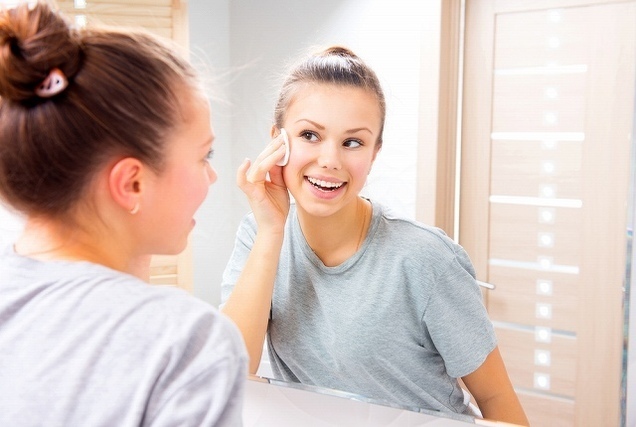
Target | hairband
(53,84)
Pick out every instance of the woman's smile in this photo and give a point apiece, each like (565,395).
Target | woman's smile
(324,185)
(325,190)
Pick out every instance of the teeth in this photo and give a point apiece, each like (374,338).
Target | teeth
(324,184)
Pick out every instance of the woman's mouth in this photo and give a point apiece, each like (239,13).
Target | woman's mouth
(324,185)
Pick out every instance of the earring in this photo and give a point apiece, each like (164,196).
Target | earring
(135,209)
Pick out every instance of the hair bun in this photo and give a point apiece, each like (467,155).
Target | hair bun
(339,51)
(33,41)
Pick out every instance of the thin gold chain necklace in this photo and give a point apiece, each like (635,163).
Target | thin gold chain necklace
(364,223)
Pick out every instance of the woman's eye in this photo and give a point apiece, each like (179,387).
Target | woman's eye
(309,136)
(209,155)
(352,143)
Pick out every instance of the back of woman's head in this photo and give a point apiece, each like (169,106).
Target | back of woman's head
(335,65)
(122,98)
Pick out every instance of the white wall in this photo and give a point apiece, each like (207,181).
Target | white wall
(267,35)
(264,37)
(212,238)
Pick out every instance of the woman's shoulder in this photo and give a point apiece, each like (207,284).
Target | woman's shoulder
(399,227)
(420,244)
(166,311)
(167,304)
(112,303)
(97,290)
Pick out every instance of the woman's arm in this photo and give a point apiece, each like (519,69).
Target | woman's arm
(493,391)
(249,304)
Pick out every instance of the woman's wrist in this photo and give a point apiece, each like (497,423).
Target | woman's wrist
(270,236)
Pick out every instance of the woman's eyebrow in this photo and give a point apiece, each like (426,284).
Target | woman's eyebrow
(321,127)
(359,129)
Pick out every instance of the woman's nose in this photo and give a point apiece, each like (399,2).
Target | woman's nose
(330,155)
(212,175)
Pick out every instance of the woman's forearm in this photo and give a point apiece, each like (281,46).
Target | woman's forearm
(504,408)
(250,302)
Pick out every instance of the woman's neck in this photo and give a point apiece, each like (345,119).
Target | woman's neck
(337,237)
(49,239)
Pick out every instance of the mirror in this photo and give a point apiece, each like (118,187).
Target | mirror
(395,47)
(401,41)
(278,403)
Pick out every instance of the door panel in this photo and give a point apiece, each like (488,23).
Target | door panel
(547,114)
(531,101)
(525,168)
(523,299)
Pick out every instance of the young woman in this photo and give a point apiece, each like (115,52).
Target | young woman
(349,295)
(104,146)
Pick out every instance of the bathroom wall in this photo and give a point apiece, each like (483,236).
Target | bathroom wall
(213,235)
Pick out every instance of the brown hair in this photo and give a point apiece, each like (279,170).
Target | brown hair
(122,98)
(335,65)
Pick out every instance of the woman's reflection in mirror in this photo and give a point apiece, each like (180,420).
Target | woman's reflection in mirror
(350,295)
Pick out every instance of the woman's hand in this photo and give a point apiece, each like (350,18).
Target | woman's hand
(250,302)
(268,198)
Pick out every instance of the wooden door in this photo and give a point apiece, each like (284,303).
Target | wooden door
(547,118)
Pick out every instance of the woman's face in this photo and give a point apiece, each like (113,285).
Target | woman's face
(175,194)
(332,132)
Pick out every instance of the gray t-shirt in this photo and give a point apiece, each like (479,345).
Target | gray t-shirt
(84,345)
(399,321)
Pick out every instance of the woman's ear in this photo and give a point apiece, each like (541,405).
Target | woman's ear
(274,132)
(125,183)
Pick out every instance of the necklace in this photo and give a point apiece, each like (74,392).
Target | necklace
(364,224)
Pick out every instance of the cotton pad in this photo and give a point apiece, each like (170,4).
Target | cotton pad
(285,159)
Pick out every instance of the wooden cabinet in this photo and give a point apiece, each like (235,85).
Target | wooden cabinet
(173,270)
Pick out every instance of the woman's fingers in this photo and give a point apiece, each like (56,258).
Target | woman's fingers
(266,160)
(241,178)
(257,172)
(275,147)
(269,200)
(276,176)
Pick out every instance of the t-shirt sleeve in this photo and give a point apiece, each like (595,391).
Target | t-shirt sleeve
(455,317)
(203,380)
(243,243)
